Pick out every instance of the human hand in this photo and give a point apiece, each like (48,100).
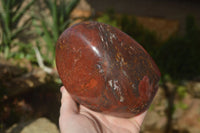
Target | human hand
(79,119)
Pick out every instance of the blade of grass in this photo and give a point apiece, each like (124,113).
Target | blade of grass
(20,29)
(71,5)
(18,16)
(65,24)
(47,33)
(55,19)
(18,5)
(61,11)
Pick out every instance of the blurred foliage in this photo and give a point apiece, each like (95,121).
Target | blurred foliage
(11,13)
(181,105)
(181,94)
(177,58)
(24,51)
(106,19)
(181,91)
(14,20)
(59,20)
(109,18)
(148,39)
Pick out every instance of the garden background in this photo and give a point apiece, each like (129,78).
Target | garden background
(29,83)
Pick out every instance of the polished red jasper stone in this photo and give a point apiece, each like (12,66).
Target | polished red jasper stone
(106,70)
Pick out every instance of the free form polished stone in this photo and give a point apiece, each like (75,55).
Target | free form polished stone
(106,70)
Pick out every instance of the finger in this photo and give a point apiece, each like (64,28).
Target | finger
(85,110)
(139,118)
(68,105)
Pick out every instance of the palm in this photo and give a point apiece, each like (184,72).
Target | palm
(74,120)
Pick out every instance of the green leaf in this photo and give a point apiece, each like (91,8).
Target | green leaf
(71,5)
(65,24)
(6,17)
(50,30)
(49,5)
(17,5)
(20,29)
(47,34)
(55,19)
(61,11)
(18,16)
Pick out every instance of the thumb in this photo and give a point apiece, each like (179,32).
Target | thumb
(68,109)
(138,119)
(68,105)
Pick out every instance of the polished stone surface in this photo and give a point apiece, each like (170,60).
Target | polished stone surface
(106,70)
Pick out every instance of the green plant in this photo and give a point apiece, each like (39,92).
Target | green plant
(59,20)
(24,51)
(106,19)
(11,13)
(181,91)
(182,105)
(109,18)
